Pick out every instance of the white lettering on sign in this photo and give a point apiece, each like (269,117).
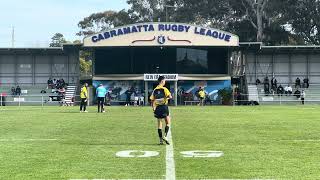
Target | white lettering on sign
(202,154)
(161,34)
(134,153)
(154,77)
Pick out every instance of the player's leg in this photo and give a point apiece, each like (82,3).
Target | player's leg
(102,105)
(167,119)
(81,105)
(160,131)
(85,105)
(168,122)
(98,102)
(166,130)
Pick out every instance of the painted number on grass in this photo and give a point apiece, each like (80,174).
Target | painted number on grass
(202,154)
(139,154)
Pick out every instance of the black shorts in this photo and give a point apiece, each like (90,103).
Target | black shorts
(161,112)
(100,100)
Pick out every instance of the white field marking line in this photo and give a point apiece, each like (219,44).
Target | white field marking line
(306,140)
(170,166)
(179,179)
(226,179)
(116,179)
(300,140)
(8,140)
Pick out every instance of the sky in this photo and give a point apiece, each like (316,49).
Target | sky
(36,21)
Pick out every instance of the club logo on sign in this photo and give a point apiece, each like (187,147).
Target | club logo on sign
(161,39)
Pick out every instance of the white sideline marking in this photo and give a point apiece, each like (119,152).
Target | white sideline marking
(227,179)
(170,166)
(307,140)
(7,140)
(179,179)
(116,179)
(303,140)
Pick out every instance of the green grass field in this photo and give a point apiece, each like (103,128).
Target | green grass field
(263,142)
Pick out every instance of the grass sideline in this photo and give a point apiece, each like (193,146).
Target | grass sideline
(265,142)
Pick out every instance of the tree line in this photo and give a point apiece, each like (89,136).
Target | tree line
(272,22)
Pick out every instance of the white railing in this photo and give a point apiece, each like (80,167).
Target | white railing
(35,100)
(44,100)
(313,98)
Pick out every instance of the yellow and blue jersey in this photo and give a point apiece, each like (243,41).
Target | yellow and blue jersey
(160,96)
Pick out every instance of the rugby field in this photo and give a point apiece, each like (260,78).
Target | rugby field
(262,142)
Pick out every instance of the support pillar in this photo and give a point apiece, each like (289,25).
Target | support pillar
(175,93)
(290,70)
(33,57)
(308,67)
(16,69)
(146,94)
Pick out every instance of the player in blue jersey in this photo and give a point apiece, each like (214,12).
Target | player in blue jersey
(101,94)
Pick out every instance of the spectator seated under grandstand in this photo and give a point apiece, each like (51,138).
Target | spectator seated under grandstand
(258,82)
(274,85)
(13,91)
(50,84)
(297,93)
(288,90)
(280,90)
(18,91)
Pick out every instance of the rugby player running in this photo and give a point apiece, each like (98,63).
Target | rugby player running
(159,101)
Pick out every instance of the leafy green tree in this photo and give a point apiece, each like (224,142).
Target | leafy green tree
(273,22)
(76,42)
(303,17)
(151,10)
(85,67)
(57,40)
(252,20)
(102,21)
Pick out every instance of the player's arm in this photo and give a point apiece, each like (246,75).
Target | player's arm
(152,102)
(86,93)
(167,93)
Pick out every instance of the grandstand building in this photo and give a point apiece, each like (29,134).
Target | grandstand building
(30,68)
(130,58)
(127,61)
(285,63)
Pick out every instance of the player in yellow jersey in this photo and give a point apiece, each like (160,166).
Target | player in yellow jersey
(202,96)
(84,98)
(159,101)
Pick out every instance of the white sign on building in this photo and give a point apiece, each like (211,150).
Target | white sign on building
(162,34)
(154,77)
